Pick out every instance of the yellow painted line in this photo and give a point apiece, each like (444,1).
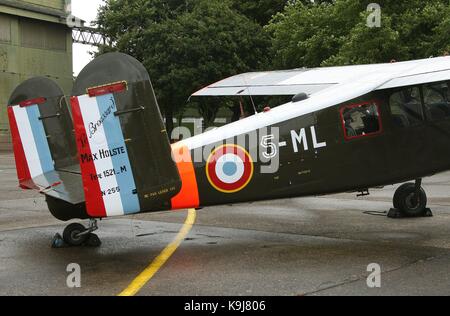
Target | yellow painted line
(165,255)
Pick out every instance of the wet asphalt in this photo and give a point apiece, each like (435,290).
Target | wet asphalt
(309,246)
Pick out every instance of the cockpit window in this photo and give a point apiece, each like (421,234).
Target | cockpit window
(361,120)
(437,100)
(406,107)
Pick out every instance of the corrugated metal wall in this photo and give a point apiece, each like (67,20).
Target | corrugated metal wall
(28,48)
(5,28)
(54,4)
(43,35)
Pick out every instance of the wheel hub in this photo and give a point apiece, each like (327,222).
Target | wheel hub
(76,235)
(413,201)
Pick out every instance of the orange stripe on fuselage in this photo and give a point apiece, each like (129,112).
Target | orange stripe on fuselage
(188,196)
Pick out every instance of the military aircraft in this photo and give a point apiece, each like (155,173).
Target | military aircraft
(347,129)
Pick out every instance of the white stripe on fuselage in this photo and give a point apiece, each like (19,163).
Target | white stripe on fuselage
(91,114)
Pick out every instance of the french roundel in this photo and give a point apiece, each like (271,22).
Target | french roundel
(229,168)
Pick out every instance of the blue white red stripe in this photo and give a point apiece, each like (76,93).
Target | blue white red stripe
(105,165)
(32,138)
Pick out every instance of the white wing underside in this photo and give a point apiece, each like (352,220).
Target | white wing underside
(311,81)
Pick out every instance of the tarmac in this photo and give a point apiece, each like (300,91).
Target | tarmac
(309,246)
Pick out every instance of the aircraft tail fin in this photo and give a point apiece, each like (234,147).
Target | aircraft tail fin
(123,147)
(41,130)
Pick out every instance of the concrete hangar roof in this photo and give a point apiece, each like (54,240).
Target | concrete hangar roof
(45,10)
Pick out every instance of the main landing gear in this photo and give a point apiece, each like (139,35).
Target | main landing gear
(410,200)
(76,235)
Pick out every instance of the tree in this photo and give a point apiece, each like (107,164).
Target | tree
(185,46)
(424,28)
(260,11)
(335,33)
(124,22)
(366,45)
(306,33)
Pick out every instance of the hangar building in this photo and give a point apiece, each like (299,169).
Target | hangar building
(34,40)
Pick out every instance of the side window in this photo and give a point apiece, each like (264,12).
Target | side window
(361,120)
(406,107)
(437,100)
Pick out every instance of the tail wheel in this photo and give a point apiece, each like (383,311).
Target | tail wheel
(408,201)
(73,234)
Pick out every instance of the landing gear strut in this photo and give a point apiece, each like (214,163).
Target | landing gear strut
(410,200)
(76,234)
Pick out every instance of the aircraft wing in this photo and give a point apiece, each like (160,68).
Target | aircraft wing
(265,83)
(311,81)
(427,70)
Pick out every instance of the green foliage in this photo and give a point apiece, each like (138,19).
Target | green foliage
(260,11)
(185,46)
(379,45)
(335,33)
(206,44)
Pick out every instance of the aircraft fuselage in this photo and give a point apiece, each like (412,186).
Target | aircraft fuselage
(382,138)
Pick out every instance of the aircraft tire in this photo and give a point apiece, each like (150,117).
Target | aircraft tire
(404,200)
(71,234)
(403,187)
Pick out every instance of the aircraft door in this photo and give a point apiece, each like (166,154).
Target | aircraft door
(408,137)
(363,152)
(436,98)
